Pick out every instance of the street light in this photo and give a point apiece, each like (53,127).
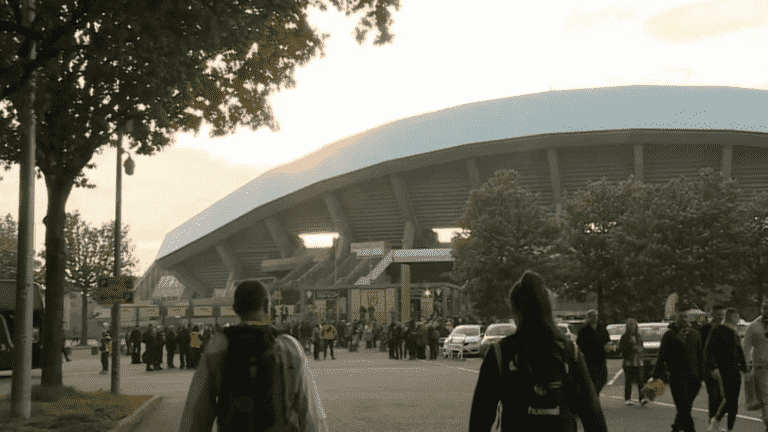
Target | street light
(129,168)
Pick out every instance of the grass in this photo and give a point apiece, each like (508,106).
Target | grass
(65,409)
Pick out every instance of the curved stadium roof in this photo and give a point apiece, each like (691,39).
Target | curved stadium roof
(599,109)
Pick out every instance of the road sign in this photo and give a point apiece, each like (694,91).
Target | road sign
(115,290)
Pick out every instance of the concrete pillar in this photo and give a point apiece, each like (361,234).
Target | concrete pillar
(405,288)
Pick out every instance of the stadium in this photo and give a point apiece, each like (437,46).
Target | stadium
(385,191)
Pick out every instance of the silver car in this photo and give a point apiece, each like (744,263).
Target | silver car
(467,336)
(494,333)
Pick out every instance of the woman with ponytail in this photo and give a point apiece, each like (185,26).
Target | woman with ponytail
(542,380)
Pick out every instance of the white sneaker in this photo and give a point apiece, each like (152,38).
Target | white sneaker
(628,402)
(714,424)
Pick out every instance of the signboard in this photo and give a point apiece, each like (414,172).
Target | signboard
(177,311)
(227,311)
(115,290)
(370,249)
(127,313)
(326,294)
(149,312)
(203,310)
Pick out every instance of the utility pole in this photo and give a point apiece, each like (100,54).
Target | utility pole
(21,390)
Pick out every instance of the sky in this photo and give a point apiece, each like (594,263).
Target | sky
(444,54)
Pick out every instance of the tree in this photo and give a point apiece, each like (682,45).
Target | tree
(168,66)
(752,235)
(90,255)
(590,218)
(9,235)
(504,233)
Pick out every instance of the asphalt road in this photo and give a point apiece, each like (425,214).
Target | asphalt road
(365,391)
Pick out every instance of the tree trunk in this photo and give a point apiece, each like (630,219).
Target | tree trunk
(55,260)
(84,318)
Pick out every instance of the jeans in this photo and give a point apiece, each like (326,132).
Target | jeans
(328,343)
(732,385)
(633,375)
(713,392)
(684,391)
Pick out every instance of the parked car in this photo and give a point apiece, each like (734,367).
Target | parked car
(494,333)
(614,332)
(466,335)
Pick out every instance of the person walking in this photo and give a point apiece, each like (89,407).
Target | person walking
(317,341)
(158,348)
(725,360)
(182,337)
(171,345)
(529,358)
(329,335)
(136,345)
(631,349)
(711,383)
(195,345)
(368,335)
(421,340)
(391,339)
(64,348)
(593,342)
(681,357)
(755,348)
(149,343)
(105,347)
(217,380)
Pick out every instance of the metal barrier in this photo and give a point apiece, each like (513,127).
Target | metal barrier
(460,354)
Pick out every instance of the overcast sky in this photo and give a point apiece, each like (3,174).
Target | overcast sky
(444,54)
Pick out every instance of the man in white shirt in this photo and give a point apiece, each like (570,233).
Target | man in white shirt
(756,351)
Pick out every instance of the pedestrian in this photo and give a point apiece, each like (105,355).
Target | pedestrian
(391,339)
(329,335)
(725,360)
(64,349)
(534,387)
(171,345)
(593,342)
(421,340)
(434,337)
(317,341)
(631,349)
(149,350)
(681,358)
(755,348)
(105,347)
(224,373)
(136,345)
(158,349)
(182,338)
(711,383)
(195,345)
(368,335)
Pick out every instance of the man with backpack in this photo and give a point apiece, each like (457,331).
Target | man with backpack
(249,378)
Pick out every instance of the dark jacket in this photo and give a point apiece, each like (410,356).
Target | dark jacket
(136,336)
(183,340)
(628,349)
(491,389)
(683,360)
(591,343)
(723,352)
(704,332)
(171,341)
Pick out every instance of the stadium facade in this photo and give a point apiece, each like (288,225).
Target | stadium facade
(397,182)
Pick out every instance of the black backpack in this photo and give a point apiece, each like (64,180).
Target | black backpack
(252,388)
(545,384)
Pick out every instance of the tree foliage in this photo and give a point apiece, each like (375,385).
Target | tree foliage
(9,235)
(91,254)
(504,233)
(165,65)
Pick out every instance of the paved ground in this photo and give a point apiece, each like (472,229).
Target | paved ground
(367,391)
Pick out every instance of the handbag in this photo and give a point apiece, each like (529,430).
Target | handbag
(751,396)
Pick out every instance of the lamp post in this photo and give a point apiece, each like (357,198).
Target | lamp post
(129,166)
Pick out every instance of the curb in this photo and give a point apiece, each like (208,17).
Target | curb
(131,422)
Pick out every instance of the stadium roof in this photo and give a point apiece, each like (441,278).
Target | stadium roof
(610,108)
